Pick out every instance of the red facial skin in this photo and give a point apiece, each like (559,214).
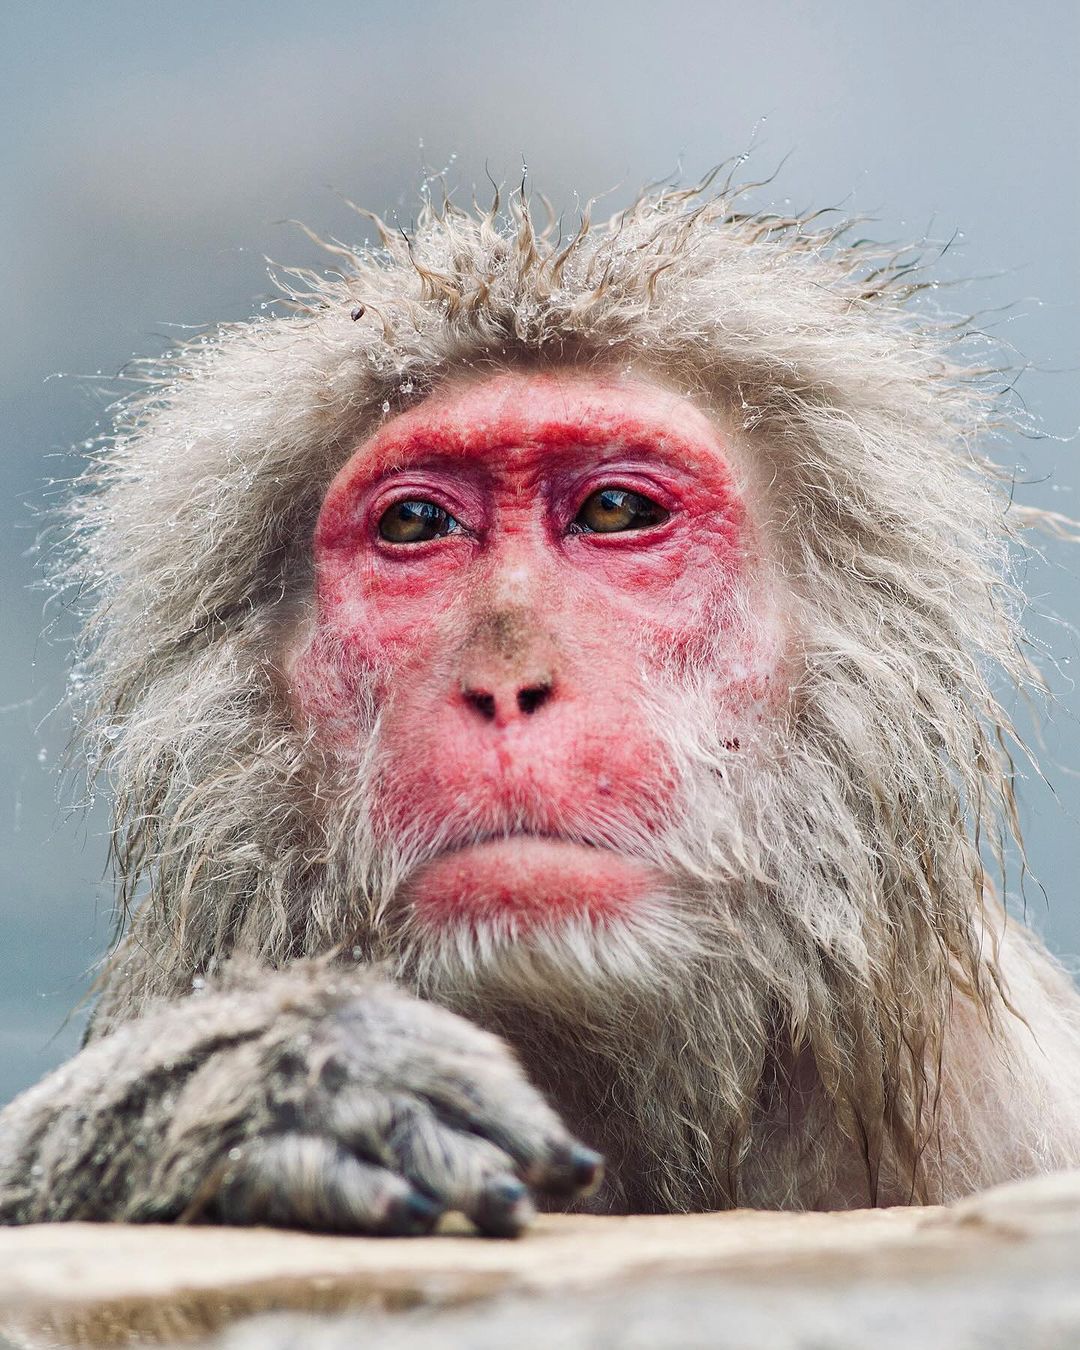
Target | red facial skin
(511,652)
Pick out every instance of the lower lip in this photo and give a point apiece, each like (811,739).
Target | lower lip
(529,880)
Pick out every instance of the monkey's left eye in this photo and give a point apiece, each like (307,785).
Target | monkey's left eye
(613,509)
(414,522)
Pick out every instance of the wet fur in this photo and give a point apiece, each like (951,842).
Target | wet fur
(797,1022)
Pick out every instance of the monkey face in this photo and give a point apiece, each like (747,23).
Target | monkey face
(508,569)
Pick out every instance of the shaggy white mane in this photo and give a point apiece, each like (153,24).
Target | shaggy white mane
(833,886)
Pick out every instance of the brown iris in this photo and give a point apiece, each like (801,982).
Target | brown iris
(613,509)
(414,522)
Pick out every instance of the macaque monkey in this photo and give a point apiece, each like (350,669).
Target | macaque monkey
(549,693)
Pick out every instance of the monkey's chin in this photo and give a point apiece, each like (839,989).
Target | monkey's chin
(530,881)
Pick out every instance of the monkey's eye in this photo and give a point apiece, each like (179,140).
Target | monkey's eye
(414,522)
(613,509)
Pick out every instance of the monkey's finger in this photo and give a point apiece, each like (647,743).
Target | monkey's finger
(302,1181)
(463,1172)
(513,1115)
(570,1169)
(362,1121)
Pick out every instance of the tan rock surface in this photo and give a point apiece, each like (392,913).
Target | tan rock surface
(1002,1262)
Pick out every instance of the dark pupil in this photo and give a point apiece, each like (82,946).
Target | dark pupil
(613,509)
(413,522)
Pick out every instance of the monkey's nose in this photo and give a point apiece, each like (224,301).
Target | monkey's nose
(507,703)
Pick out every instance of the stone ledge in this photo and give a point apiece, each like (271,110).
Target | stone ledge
(115,1285)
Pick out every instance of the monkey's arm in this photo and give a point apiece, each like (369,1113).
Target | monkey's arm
(309,1098)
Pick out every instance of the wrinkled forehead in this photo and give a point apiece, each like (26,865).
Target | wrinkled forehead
(509,415)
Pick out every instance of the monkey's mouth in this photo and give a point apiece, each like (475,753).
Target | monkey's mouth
(532,878)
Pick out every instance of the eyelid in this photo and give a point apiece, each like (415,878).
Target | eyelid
(650,490)
(455,528)
(639,536)
(392,494)
(624,479)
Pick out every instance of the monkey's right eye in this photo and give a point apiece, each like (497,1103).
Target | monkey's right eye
(414,522)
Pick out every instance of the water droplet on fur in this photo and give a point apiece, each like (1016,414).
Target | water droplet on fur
(386,405)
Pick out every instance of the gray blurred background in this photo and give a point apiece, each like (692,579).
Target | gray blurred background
(152,152)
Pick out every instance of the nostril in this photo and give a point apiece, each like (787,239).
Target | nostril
(533,697)
(482,701)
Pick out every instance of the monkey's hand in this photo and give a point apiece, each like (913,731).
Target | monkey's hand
(303,1098)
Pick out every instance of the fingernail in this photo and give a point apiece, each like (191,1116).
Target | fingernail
(571,1170)
(588,1167)
(505,1208)
(507,1191)
(413,1214)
